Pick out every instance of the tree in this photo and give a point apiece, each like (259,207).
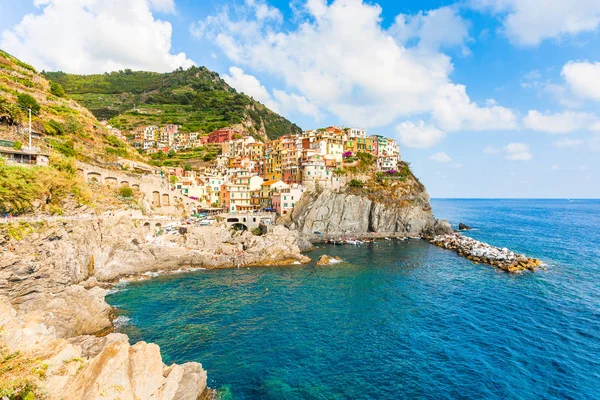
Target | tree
(171,154)
(26,101)
(57,89)
(187,167)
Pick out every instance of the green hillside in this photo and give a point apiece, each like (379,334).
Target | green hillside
(64,125)
(196,98)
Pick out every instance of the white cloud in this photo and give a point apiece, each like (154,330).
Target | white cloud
(293,102)
(167,6)
(583,78)
(454,111)
(558,123)
(529,22)
(518,152)
(341,59)
(512,151)
(568,143)
(90,36)
(441,157)
(419,135)
(249,85)
(280,101)
(433,29)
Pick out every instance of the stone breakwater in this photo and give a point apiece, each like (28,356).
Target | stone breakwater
(480,252)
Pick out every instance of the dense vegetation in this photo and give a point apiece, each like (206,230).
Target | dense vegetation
(196,98)
(22,189)
(66,127)
(184,158)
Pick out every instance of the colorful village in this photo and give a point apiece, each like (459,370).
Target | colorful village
(249,175)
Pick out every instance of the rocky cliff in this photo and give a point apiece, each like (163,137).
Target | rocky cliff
(374,205)
(53,279)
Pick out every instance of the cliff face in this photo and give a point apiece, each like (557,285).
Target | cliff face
(385,207)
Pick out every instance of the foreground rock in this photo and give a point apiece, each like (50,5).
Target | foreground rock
(54,280)
(89,367)
(480,252)
(463,227)
(327,260)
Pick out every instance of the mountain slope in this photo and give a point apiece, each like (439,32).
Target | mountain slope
(196,98)
(64,125)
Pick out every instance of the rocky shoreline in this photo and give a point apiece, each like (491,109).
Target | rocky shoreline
(480,252)
(53,282)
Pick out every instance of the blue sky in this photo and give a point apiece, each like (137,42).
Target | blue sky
(487,98)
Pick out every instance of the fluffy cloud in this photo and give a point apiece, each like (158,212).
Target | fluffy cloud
(512,151)
(419,135)
(583,79)
(249,85)
(341,59)
(441,157)
(432,29)
(529,22)
(454,111)
(559,123)
(280,101)
(568,143)
(91,36)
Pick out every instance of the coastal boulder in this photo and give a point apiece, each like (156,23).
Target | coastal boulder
(327,260)
(463,227)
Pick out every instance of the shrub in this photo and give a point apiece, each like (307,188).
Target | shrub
(53,127)
(26,101)
(125,191)
(73,126)
(356,183)
(57,90)
(347,154)
(66,148)
(187,167)
(120,152)
(17,145)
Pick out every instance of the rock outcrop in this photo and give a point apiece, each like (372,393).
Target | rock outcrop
(55,280)
(463,227)
(325,260)
(340,213)
(90,367)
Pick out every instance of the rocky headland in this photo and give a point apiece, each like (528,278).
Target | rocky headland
(376,206)
(480,252)
(53,280)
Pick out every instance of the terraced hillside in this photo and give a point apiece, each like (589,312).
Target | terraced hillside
(61,122)
(196,98)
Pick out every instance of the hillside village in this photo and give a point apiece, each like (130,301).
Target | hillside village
(251,175)
(226,169)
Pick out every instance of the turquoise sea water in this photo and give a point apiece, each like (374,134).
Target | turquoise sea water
(399,320)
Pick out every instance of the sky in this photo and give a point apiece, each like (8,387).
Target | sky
(487,98)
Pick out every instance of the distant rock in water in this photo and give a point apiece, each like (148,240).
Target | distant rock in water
(463,227)
(327,260)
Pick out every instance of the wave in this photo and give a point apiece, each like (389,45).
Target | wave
(121,321)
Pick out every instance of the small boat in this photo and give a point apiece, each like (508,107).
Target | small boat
(352,242)
(387,238)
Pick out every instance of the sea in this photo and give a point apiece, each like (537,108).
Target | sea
(400,319)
